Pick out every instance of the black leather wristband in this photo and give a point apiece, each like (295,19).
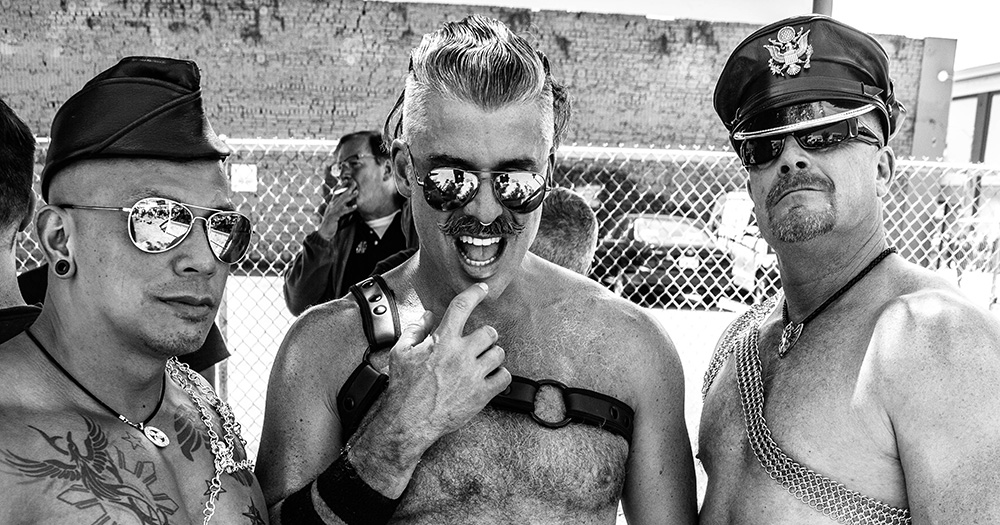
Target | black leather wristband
(298,508)
(350,498)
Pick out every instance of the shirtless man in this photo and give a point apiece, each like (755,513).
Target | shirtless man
(481,117)
(98,421)
(869,387)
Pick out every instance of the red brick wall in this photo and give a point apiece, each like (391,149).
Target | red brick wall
(313,69)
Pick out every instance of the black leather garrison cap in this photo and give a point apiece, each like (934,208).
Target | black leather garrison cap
(143,107)
(804,72)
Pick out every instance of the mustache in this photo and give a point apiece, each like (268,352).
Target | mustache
(794,181)
(502,226)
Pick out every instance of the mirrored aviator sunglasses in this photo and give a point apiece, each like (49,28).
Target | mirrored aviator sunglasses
(157,225)
(448,189)
(756,151)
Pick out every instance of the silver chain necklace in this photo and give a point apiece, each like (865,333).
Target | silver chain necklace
(222,449)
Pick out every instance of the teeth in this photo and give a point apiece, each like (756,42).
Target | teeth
(476,241)
(470,262)
(478,251)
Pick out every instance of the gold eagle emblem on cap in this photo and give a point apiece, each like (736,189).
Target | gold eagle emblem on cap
(790,52)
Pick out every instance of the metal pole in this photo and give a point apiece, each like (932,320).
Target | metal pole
(823,7)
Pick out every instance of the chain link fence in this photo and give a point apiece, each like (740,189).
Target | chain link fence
(676,230)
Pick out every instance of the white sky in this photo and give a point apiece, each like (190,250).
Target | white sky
(971,22)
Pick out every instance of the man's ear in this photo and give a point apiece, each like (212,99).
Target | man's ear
(55,233)
(29,216)
(399,159)
(550,171)
(886,171)
(386,169)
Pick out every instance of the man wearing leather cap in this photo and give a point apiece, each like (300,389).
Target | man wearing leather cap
(476,382)
(98,421)
(866,392)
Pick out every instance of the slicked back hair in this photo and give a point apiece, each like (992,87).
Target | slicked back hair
(478,60)
(17,164)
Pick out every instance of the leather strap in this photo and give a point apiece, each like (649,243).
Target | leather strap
(380,321)
(376,301)
(582,406)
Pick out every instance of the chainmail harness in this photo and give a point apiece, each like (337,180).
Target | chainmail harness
(819,492)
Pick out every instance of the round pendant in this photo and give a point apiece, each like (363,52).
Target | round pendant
(156,436)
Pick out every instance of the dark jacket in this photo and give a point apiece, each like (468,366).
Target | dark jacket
(316,274)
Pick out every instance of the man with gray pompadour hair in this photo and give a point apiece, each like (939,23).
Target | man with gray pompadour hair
(581,407)
(446,64)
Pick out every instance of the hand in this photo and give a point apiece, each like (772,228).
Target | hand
(344,200)
(438,382)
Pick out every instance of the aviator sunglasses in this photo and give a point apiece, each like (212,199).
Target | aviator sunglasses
(447,189)
(156,225)
(756,151)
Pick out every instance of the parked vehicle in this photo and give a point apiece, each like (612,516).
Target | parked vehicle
(755,266)
(661,261)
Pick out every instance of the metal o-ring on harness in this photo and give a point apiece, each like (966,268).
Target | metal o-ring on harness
(562,391)
(367,383)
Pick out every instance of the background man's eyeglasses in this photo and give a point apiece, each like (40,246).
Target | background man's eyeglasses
(758,151)
(447,189)
(353,162)
(156,225)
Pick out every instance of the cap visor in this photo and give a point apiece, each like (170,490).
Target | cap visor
(790,119)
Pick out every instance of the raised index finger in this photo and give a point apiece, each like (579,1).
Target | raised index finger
(459,310)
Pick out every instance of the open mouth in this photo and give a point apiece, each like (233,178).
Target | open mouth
(480,251)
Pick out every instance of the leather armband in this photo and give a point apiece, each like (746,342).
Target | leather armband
(298,508)
(350,498)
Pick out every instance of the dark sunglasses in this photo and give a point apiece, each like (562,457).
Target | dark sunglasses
(447,189)
(754,152)
(156,225)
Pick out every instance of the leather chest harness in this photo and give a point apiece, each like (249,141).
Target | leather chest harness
(380,320)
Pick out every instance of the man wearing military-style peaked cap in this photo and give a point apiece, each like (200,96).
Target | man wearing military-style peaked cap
(865,392)
(98,419)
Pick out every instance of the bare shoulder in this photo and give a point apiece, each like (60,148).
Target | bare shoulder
(929,319)
(930,330)
(322,346)
(614,325)
(934,363)
(23,384)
